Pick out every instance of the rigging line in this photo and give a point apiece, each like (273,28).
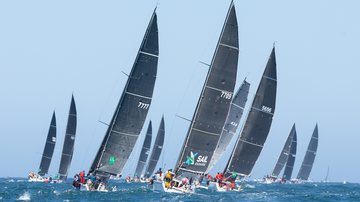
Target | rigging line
(90,140)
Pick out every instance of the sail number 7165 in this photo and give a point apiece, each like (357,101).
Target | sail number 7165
(226,95)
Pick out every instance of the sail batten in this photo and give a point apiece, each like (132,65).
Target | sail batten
(49,148)
(257,125)
(132,108)
(214,102)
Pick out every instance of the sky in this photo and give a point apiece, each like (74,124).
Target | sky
(51,49)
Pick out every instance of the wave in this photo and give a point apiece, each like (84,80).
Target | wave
(25,197)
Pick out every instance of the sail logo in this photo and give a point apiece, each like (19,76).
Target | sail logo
(53,139)
(199,161)
(72,137)
(112,160)
(190,160)
(266,109)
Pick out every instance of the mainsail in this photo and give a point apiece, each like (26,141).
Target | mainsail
(291,158)
(156,151)
(309,158)
(232,121)
(68,148)
(132,109)
(49,148)
(284,154)
(144,152)
(257,125)
(214,102)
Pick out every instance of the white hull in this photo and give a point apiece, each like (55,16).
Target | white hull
(215,187)
(159,186)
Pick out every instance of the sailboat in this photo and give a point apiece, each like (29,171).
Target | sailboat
(327,175)
(256,128)
(143,154)
(156,150)
(47,153)
(132,109)
(291,159)
(309,158)
(282,158)
(68,147)
(232,121)
(211,110)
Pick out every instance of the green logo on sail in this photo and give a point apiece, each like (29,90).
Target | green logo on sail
(190,160)
(112,160)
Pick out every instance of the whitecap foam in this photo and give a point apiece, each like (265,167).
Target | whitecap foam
(25,197)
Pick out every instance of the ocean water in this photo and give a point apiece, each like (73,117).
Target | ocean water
(21,190)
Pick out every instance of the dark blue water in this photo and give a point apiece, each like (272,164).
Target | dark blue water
(21,190)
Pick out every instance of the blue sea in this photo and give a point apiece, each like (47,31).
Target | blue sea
(16,189)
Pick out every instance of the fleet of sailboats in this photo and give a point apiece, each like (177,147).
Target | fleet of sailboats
(214,124)
(67,153)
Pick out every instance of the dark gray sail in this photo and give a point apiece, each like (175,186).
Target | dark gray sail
(49,148)
(309,158)
(291,158)
(232,121)
(68,148)
(156,151)
(144,152)
(284,154)
(214,102)
(132,109)
(257,125)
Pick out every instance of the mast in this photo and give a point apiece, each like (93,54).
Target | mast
(132,109)
(257,125)
(144,152)
(214,102)
(68,147)
(156,151)
(310,155)
(232,121)
(284,153)
(291,158)
(49,148)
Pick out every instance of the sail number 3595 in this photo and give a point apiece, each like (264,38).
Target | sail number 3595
(142,105)
(226,95)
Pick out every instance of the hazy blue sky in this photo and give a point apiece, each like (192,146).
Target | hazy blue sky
(50,49)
